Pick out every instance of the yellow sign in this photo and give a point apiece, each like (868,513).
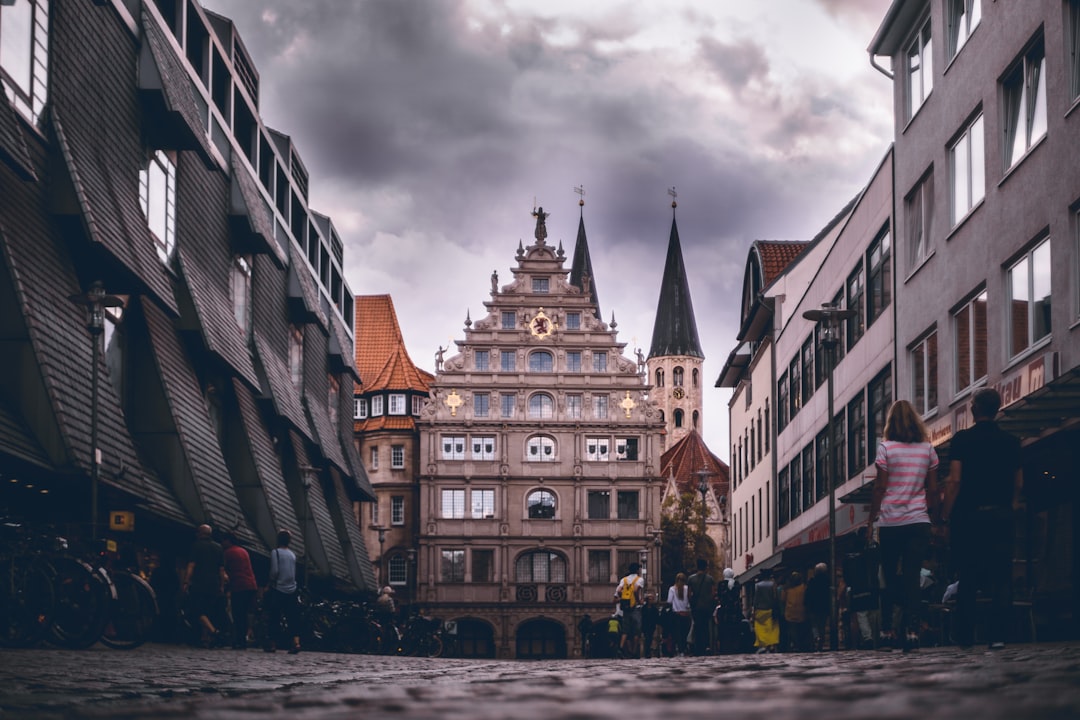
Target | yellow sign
(122,520)
(454,401)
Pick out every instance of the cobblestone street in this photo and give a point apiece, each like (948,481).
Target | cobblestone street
(1022,681)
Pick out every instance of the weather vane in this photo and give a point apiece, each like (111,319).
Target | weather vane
(580,190)
(673,194)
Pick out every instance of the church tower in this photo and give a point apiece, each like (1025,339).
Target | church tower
(675,357)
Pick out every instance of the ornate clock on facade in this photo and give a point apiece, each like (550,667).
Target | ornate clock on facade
(541,326)
(678,393)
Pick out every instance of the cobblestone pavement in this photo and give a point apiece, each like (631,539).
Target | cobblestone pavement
(1022,681)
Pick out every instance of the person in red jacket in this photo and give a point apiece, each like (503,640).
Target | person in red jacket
(242,588)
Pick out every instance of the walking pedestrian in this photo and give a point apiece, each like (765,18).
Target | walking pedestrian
(793,597)
(630,595)
(982,493)
(905,492)
(679,599)
(204,583)
(282,598)
(702,602)
(585,626)
(766,603)
(818,607)
(862,571)
(242,588)
(729,614)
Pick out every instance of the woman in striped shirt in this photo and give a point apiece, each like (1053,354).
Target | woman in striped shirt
(905,492)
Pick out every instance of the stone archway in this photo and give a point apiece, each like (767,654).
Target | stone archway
(540,639)
(475,638)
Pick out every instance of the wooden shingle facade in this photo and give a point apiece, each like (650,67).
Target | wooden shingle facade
(132,154)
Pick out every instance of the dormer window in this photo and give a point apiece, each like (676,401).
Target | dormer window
(377,405)
(157,196)
(397,404)
(24,55)
(541,285)
(359,408)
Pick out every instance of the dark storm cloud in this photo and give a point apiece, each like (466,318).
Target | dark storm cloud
(735,63)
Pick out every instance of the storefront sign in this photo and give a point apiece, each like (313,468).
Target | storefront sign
(122,521)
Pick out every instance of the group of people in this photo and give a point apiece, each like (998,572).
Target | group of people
(884,581)
(219,584)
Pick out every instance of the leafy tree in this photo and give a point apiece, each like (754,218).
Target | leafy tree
(683,538)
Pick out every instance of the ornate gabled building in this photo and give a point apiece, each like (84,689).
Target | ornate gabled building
(690,467)
(216,380)
(387,404)
(541,456)
(675,356)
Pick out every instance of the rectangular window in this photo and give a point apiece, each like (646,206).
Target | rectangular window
(417,404)
(397,404)
(453,504)
(483,447)
(373,454)
(483,566)
(157,198)
(856,435)
(878,277)
(795,398)
(573,406)
(241,292)
(598,504)
(396,570)
(573,361)
(506,404)
(377,405)
(920,70)
(375,512)
(481,359)
(509,320)
(599,362)
(839,447)
(452,566)
(782,407)
(600,407)
(573,321)
(541,361)
(481,404)
(333,398)
(540,285)
(397,510)
(796,486)
(626,504)
(24,56)
(483,504)
(807,371)
(855,293)
(880,394)
(783,510)
(821,464)
(623,558)
(397,457)
(453,447)
(599,566)
(969,331)
(808,497)
(963,16)
(506,360)
(1029,309)
(821,365)
(359,408)
(626,448)
(1073,40)
(918,214)
(296,359)
(968,168)
(540,449)
(924,374)
(1024,94)
(597,449)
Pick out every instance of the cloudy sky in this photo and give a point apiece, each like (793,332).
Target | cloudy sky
(430,127)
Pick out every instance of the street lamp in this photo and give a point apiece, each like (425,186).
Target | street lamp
(95,301)
(828,320)
(658,547)
(307,476)
(382,539)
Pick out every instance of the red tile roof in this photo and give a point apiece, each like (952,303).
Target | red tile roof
(385,422)
(776,255)
(381,358)
(686,458)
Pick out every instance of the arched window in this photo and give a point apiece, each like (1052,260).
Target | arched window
(659,377)
(540,566)
(678,417)
(694,420)
(662,416)
(541,361)
(540,448)
(541,407)
(677,376)
(694,377)
(541,504)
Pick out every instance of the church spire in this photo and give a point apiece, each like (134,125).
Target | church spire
(581,270)
(675,331)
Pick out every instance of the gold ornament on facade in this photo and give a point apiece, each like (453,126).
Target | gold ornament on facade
(454,401)
(627,404)
(678,393)
(541,326)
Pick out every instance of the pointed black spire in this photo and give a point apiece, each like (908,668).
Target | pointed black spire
(675,331)
(581,272)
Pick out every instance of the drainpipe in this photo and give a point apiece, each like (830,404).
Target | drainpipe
(883,71)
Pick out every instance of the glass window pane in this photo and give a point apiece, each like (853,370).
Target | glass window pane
(960,180)
(978,163)
(16,42)
(1040,283)
(979,336)
(1019,307)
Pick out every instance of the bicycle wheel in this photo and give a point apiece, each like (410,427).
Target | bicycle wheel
(26,603)
(132,614)
(82,604)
